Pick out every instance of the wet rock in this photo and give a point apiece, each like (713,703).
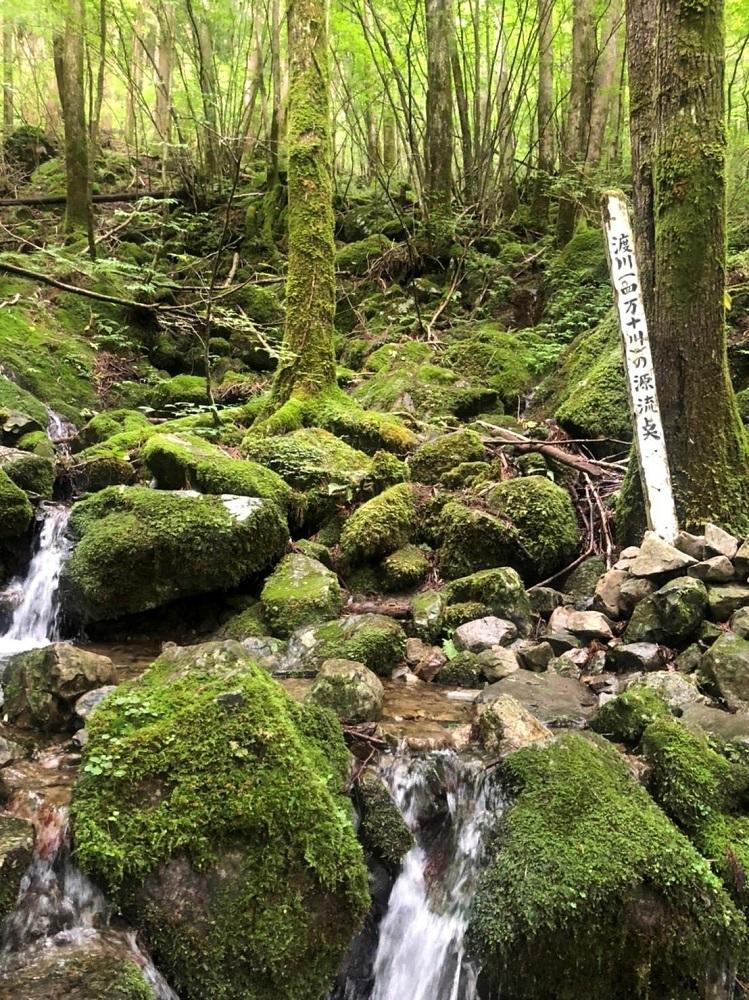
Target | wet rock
(633,590)
(726,664)
(675,689)
(724,600)
(560,641)
(383,830)
(427,611)
(692,545)
(555,700)
(43,685)
(607,597)
(10,751)
(719,543)
(741,560)
(352,690)
(533,655)
(740,622)
(543,600)
(717,569)
(585,624)
(643,656)
(424,660)
(85,705)
(505,725)
(657,557)
(300,591)
(265,650)
(671,615)
(732,726)
(497,663)
(16,848)
(484,633)
(374,640)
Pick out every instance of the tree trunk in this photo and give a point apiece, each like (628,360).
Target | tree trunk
(604,84)
(439,109)
(69,66)
(98,96)
(705,438)
(466,140)
(209,92)
(389,144)
(275,73)
(544,113)
(8,110)
(307,365)
(164,66)
(578,115)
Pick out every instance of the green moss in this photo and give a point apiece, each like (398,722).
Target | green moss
(109,423)
(463,671)
(543,519)
(31,473)
(180,391)
(590,890)
(261,305)
(37,443)
(473,539)
(16,400)
(374,640)
(464,475)
(626,717)
(244,625)
(462,612)
(383,831)
(499,589)
(492,357)
(300,591)
(742,400)
(432,460)
(280,881)
(404,568)
(381,525)
(15,510)
(357,258)
(185,461)
(309,458)
(139,548)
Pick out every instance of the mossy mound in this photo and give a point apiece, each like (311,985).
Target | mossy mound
(245,624)
(591,891)
(432,460)
(20,410)
(357,258)
(492,357)
(310,458)
(381,525)
(473,539)
(500,590)
(38,443)
(184,461)
(383,831)
(180,392)
(90,970)
(300,591)
(32,473)
(625,718)
(463,671)
(543,521)
(138,548)
(405,568)
(374,640)
(108,423)
(253,895)
(15,510)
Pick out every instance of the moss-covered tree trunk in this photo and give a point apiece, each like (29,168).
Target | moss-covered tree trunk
(706,443)
(307,365)
(439,109)
(78,211)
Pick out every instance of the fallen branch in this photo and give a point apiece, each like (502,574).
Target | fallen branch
(523,444)
(392,609)
(98,199)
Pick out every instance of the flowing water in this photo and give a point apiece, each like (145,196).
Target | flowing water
(449,807)
(35,618)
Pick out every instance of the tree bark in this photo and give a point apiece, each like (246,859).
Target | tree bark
(544,112)
(439,109)
(8,109)
(706,443)
(275,73)
(307,364)
(164,66)
(604,84)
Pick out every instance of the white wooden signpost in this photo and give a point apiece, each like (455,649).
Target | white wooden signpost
(638,361)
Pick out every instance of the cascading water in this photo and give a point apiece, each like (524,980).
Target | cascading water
(449,805)
(34,621)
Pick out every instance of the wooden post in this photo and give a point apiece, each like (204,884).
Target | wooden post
(638,362)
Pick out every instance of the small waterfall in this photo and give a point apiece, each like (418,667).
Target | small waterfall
(59,907)
(34,620)
(60,431)
(449,806)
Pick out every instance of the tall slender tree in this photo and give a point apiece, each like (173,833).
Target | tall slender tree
(439,108)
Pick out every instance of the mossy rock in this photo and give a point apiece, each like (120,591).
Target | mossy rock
(381,525)
(245,624)
(543,521)
(462,612)
(591,891)
(138,548)
(374,640)
(310,458)
(383,831)
(405,568)
(300,591)
(16,851)
(184,461)
(428,614)
(16,512)
(108,423)
(31,473)
(86,970)
(180,392)
(463,671)
(273,873)
(38,443)
(357,258)
(500,589)
(20,411)
(625,718)
(492,357)
(671,615)
(435,458)
(472,539)
(261,305)
(350,689)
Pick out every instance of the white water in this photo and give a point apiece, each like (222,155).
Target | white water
(35,617)
(59,907)
(420,954)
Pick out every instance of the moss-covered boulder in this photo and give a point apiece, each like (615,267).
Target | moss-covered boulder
(15,510)
(351,690)
(300,591)
(492,357)
(310,458)
(383,831)
(20,411)
(357,258)
(463,671)
(427,614)
(671,615)
(471,539)
(137,549)
(16,849)
(374,640)
(108,423)
(543,519)
(500,590)
(185,461)
(625,718)
(180,392)
(381,525)
(726,665)
(210,806)
(433,459)
(405,568)
(591,891)
(32,473)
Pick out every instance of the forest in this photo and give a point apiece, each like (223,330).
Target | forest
(374,500)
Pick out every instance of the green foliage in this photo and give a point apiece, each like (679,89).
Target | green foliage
(15,510)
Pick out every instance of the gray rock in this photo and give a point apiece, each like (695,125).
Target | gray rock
(533,655)
(266,650)
(717,569)
(693,545)
(352,690)
(633,590)
(725,599)
(16,848)
(560,641)
(608,593)
(505,725)
(726,664)
(643,656)
(585,624)
(741,560)
(425,661)
(88,701)
(10,751)
(483,633)
(554,700)
(677,690)
(719,543)
(498,663)
(689,661)
(544,600)
(657,557)
(740,622)
(582,580)
(732,726)
(571,664)
(708,632)
(671,615)
(626,557)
